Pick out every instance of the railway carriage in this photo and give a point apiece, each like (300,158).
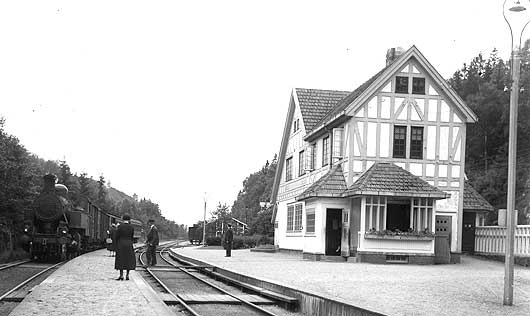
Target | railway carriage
(58,229)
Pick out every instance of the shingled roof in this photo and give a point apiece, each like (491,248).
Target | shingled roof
(332,184)
(385,178)
(473,200)
(348,99)
(315,103)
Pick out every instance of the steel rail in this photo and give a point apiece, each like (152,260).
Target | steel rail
(174,295)
(242,300)
(29,280)
(9,265)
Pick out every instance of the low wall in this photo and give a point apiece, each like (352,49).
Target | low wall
(309,303)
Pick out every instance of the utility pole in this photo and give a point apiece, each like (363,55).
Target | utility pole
(204,223)
(512,159)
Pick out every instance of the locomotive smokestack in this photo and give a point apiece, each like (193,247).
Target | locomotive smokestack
(49,182)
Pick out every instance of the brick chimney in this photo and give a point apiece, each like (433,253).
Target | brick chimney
(393,54)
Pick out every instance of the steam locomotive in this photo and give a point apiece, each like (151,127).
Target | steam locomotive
(57,230)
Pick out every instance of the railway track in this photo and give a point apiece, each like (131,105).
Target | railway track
(18,279)
(189,292)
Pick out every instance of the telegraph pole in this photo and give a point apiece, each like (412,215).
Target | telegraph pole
(204,223)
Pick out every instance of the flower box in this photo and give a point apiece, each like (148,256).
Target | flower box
(397,237)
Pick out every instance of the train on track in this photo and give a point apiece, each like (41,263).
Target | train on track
(195,234)
(58,230)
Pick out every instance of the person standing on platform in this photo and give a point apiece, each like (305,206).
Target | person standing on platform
(125,258)
(228,240)
(152,242)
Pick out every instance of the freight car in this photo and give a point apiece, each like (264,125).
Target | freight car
(195,234)
(57,229)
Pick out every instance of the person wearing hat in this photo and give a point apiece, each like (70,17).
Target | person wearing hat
(152,242)
(125,258)
(228,240)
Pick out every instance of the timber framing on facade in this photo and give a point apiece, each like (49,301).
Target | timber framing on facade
(377,172)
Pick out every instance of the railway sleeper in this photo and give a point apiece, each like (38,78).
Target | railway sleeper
(289,302)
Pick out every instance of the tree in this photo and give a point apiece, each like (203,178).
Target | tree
(257,188)
(484,85)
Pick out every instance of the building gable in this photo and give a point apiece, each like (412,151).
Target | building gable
(410,65)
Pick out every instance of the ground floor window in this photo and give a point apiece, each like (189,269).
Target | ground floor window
(398,214)
(294,217)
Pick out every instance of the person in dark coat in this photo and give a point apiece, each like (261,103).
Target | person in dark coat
(125,258)
(228,241)
(152,242)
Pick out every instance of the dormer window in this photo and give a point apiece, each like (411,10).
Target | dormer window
(418,85)
(402,84)
(296,125)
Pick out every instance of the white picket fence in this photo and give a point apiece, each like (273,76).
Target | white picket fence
(491,240)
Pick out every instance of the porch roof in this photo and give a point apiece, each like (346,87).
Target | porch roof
(385,178)
(332,184)
(473,200)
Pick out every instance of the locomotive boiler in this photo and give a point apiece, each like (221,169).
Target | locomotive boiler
(50,237)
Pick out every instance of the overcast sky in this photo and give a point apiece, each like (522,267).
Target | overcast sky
(171,99)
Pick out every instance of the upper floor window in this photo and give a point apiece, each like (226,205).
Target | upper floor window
(400,138)
(313,157)
(402,84)
(337,143)
(325,151)
(418,85)
(296,125)
(289,169)
(301,169)
(416,142)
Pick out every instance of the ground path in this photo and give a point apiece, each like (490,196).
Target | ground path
(474,287)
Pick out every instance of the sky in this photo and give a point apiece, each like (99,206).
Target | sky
(181,100)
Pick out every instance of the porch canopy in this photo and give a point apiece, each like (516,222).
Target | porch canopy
(330,185)
(387,179)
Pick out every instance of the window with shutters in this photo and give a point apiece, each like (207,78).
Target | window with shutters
(337,143)
(290,218)
(289,169)
(301,168)
(310,221)
(325,151)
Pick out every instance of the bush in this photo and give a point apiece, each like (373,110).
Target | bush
(213,241)
(241,242)
(251,241)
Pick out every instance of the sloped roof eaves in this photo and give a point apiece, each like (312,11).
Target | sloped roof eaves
(335,112)
(331,184)
(315,103)
(473,200)
(391,180)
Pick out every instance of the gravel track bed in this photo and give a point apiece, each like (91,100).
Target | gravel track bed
(11,277)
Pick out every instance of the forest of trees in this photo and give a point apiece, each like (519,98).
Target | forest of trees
(246,208)
(484,84)
(21,181)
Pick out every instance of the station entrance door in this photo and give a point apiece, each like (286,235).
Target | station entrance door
(442,239)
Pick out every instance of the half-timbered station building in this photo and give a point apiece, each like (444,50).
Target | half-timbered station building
(376,174)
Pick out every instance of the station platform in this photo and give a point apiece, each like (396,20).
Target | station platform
(86,285)
(473,287)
